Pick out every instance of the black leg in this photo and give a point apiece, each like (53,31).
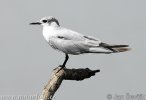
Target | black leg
(65,61)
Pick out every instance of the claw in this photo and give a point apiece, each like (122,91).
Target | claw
(60,68)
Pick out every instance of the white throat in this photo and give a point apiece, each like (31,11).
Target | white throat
(49,31)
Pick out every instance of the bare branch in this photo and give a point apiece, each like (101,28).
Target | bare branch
(58,75)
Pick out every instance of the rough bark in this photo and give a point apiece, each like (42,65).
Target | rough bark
(58,75)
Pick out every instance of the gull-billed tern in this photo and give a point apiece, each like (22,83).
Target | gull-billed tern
(71,42)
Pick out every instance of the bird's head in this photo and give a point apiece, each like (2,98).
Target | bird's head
(47,21)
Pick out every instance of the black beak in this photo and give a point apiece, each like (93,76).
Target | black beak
(35,23)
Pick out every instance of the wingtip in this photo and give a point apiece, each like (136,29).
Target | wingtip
(122,49)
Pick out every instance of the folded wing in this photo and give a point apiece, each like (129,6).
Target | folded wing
(76,47)
(71,42)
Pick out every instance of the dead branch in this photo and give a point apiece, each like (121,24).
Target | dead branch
(64,74)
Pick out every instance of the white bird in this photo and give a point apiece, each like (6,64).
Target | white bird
(71,42)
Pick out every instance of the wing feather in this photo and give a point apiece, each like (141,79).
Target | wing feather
(72,42)
(68,46)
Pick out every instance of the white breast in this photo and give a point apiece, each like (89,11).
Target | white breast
(48,32)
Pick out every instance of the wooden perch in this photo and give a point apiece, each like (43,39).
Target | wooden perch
(58,75)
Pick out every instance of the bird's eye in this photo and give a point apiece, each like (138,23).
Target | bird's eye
(44,21)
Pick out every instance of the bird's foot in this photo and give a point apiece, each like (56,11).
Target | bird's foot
(61,67)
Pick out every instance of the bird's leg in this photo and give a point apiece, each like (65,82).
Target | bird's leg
(64,63)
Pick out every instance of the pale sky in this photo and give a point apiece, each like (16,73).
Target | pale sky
(27,60)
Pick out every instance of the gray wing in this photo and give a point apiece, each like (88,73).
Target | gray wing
(76,47)
(72,42)
(68,34)
(73,35)
(68,46)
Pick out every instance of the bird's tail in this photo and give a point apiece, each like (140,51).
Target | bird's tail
(116,48)
(121,49)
